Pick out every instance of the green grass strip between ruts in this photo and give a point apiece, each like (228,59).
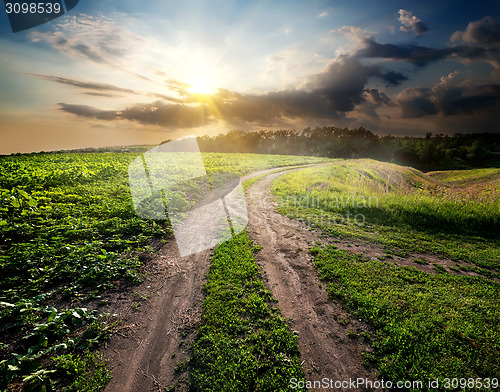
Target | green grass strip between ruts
(244,343)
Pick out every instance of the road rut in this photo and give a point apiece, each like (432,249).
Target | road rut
(322,325)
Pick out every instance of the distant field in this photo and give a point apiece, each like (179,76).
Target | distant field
(68,230)
(427,325)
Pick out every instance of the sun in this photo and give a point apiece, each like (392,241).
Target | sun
(202,85)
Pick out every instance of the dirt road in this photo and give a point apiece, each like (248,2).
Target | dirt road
(322,326)
(165,311)
(159,320)
(161,316)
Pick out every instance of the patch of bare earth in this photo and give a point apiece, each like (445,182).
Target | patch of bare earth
(159,320)
(328,334)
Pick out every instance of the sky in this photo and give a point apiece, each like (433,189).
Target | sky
(122,72)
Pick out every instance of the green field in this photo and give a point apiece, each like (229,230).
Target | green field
(68,231)
(426,325)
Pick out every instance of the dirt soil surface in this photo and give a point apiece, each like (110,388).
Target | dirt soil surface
(327,333)
(160,317)
(159,320)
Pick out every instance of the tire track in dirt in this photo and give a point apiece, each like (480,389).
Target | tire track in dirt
(321,324)
(142,358)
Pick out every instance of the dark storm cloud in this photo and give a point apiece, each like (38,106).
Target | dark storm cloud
(411,23)
(415,102)
(167,115)
(450,97)
(274,107)
(393,78)
(483,99)
(422,56)
(157,113)
(85,85)
(343,82)
(482,42)
(484,31)
(377,97)
(414,54)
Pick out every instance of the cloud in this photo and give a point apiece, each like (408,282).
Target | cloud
(411,23)
(104,88)
(156,113)
(422,56)
(80,84)
(377,97)
(100,94)
(451,96)
(415,54)
(88,111)
(482,40)
(180,87)
(415,102)
(393,78)
(353,32)
(485,31)
(94,38)
(373,99)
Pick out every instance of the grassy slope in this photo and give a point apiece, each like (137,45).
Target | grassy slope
(401,208)
(67,225)
(426,326)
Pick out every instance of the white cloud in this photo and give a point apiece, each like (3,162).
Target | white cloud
(411,23)
(97,39)
(354,33)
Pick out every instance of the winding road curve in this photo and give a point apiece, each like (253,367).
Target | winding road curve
(142,356)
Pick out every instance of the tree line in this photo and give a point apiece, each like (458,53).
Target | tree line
(426,153)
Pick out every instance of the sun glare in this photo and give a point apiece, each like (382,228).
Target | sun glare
(202,85)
